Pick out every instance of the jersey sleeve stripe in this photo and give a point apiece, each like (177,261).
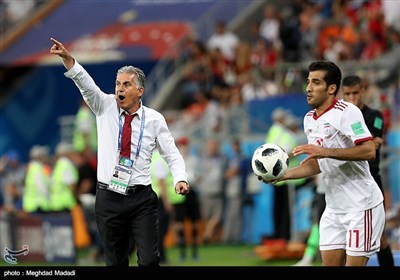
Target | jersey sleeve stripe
(359,141)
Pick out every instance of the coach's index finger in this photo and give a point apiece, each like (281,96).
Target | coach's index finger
(58,49)
(56,42)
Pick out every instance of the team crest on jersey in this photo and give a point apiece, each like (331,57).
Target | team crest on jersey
(327,128)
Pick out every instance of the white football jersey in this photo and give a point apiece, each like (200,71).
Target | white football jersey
(349,184)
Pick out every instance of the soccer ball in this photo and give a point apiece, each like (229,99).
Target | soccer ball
(270,161)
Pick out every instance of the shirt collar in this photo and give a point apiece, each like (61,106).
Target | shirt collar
(139,111)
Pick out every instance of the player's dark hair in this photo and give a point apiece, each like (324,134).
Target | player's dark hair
(333,74)
(351,80)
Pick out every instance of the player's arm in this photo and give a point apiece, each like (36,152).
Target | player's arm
(363,151)
(306,169)
(378,142)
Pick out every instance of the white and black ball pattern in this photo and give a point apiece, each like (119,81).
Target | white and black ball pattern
(270,161)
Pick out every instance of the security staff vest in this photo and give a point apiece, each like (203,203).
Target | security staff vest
(173,198)
(35,196)
(79,138)
(279,135)
(61,194)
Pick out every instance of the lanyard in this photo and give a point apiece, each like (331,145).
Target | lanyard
(139,145)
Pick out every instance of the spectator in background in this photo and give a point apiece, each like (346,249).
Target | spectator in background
(13,175)
(235,119)
(270,26)
(391,12)
(309,24)
(86,193)
(84,134)
(192,201)
(196,74)
(371,47)
(263,56)
(233,195)
(277,127)
(211,116)
(64,179)
(372,97)
(279,134)
(255,88)
(353,91)
(36,196)
(290,35)
(242,65)
(211,168)
(161,182)
(221,68)
(250,189)
(289,140)
(224,40)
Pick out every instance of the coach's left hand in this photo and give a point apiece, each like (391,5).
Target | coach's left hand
(182,188)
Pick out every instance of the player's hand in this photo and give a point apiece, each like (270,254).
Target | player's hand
(58,49)
(182,188)
(273,182)
(313,152)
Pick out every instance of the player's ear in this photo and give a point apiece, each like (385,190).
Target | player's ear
(332,89)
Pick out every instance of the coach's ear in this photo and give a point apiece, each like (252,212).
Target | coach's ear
(141,91)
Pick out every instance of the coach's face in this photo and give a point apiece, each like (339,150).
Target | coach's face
(319,95)
(127,92)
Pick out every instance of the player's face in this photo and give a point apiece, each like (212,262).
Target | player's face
(353,94)
(319,95)
(127,92)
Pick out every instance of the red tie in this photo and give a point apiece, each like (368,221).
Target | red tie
(126,136)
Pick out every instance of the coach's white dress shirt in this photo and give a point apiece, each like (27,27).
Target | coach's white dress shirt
(155,133)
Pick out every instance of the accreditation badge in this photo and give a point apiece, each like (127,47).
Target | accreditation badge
(121,175)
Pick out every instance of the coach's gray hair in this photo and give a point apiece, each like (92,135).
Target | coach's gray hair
(140,77)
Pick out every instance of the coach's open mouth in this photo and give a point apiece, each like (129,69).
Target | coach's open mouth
(121,97)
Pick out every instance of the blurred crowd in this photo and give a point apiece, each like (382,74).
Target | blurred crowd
(221,75)
(14,12)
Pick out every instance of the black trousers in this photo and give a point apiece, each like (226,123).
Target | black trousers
(122,219)
(282,212)
(163,225)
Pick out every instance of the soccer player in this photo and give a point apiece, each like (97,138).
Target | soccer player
(340,146)
(353,90)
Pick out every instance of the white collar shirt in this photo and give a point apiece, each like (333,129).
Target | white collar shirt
(108,114)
